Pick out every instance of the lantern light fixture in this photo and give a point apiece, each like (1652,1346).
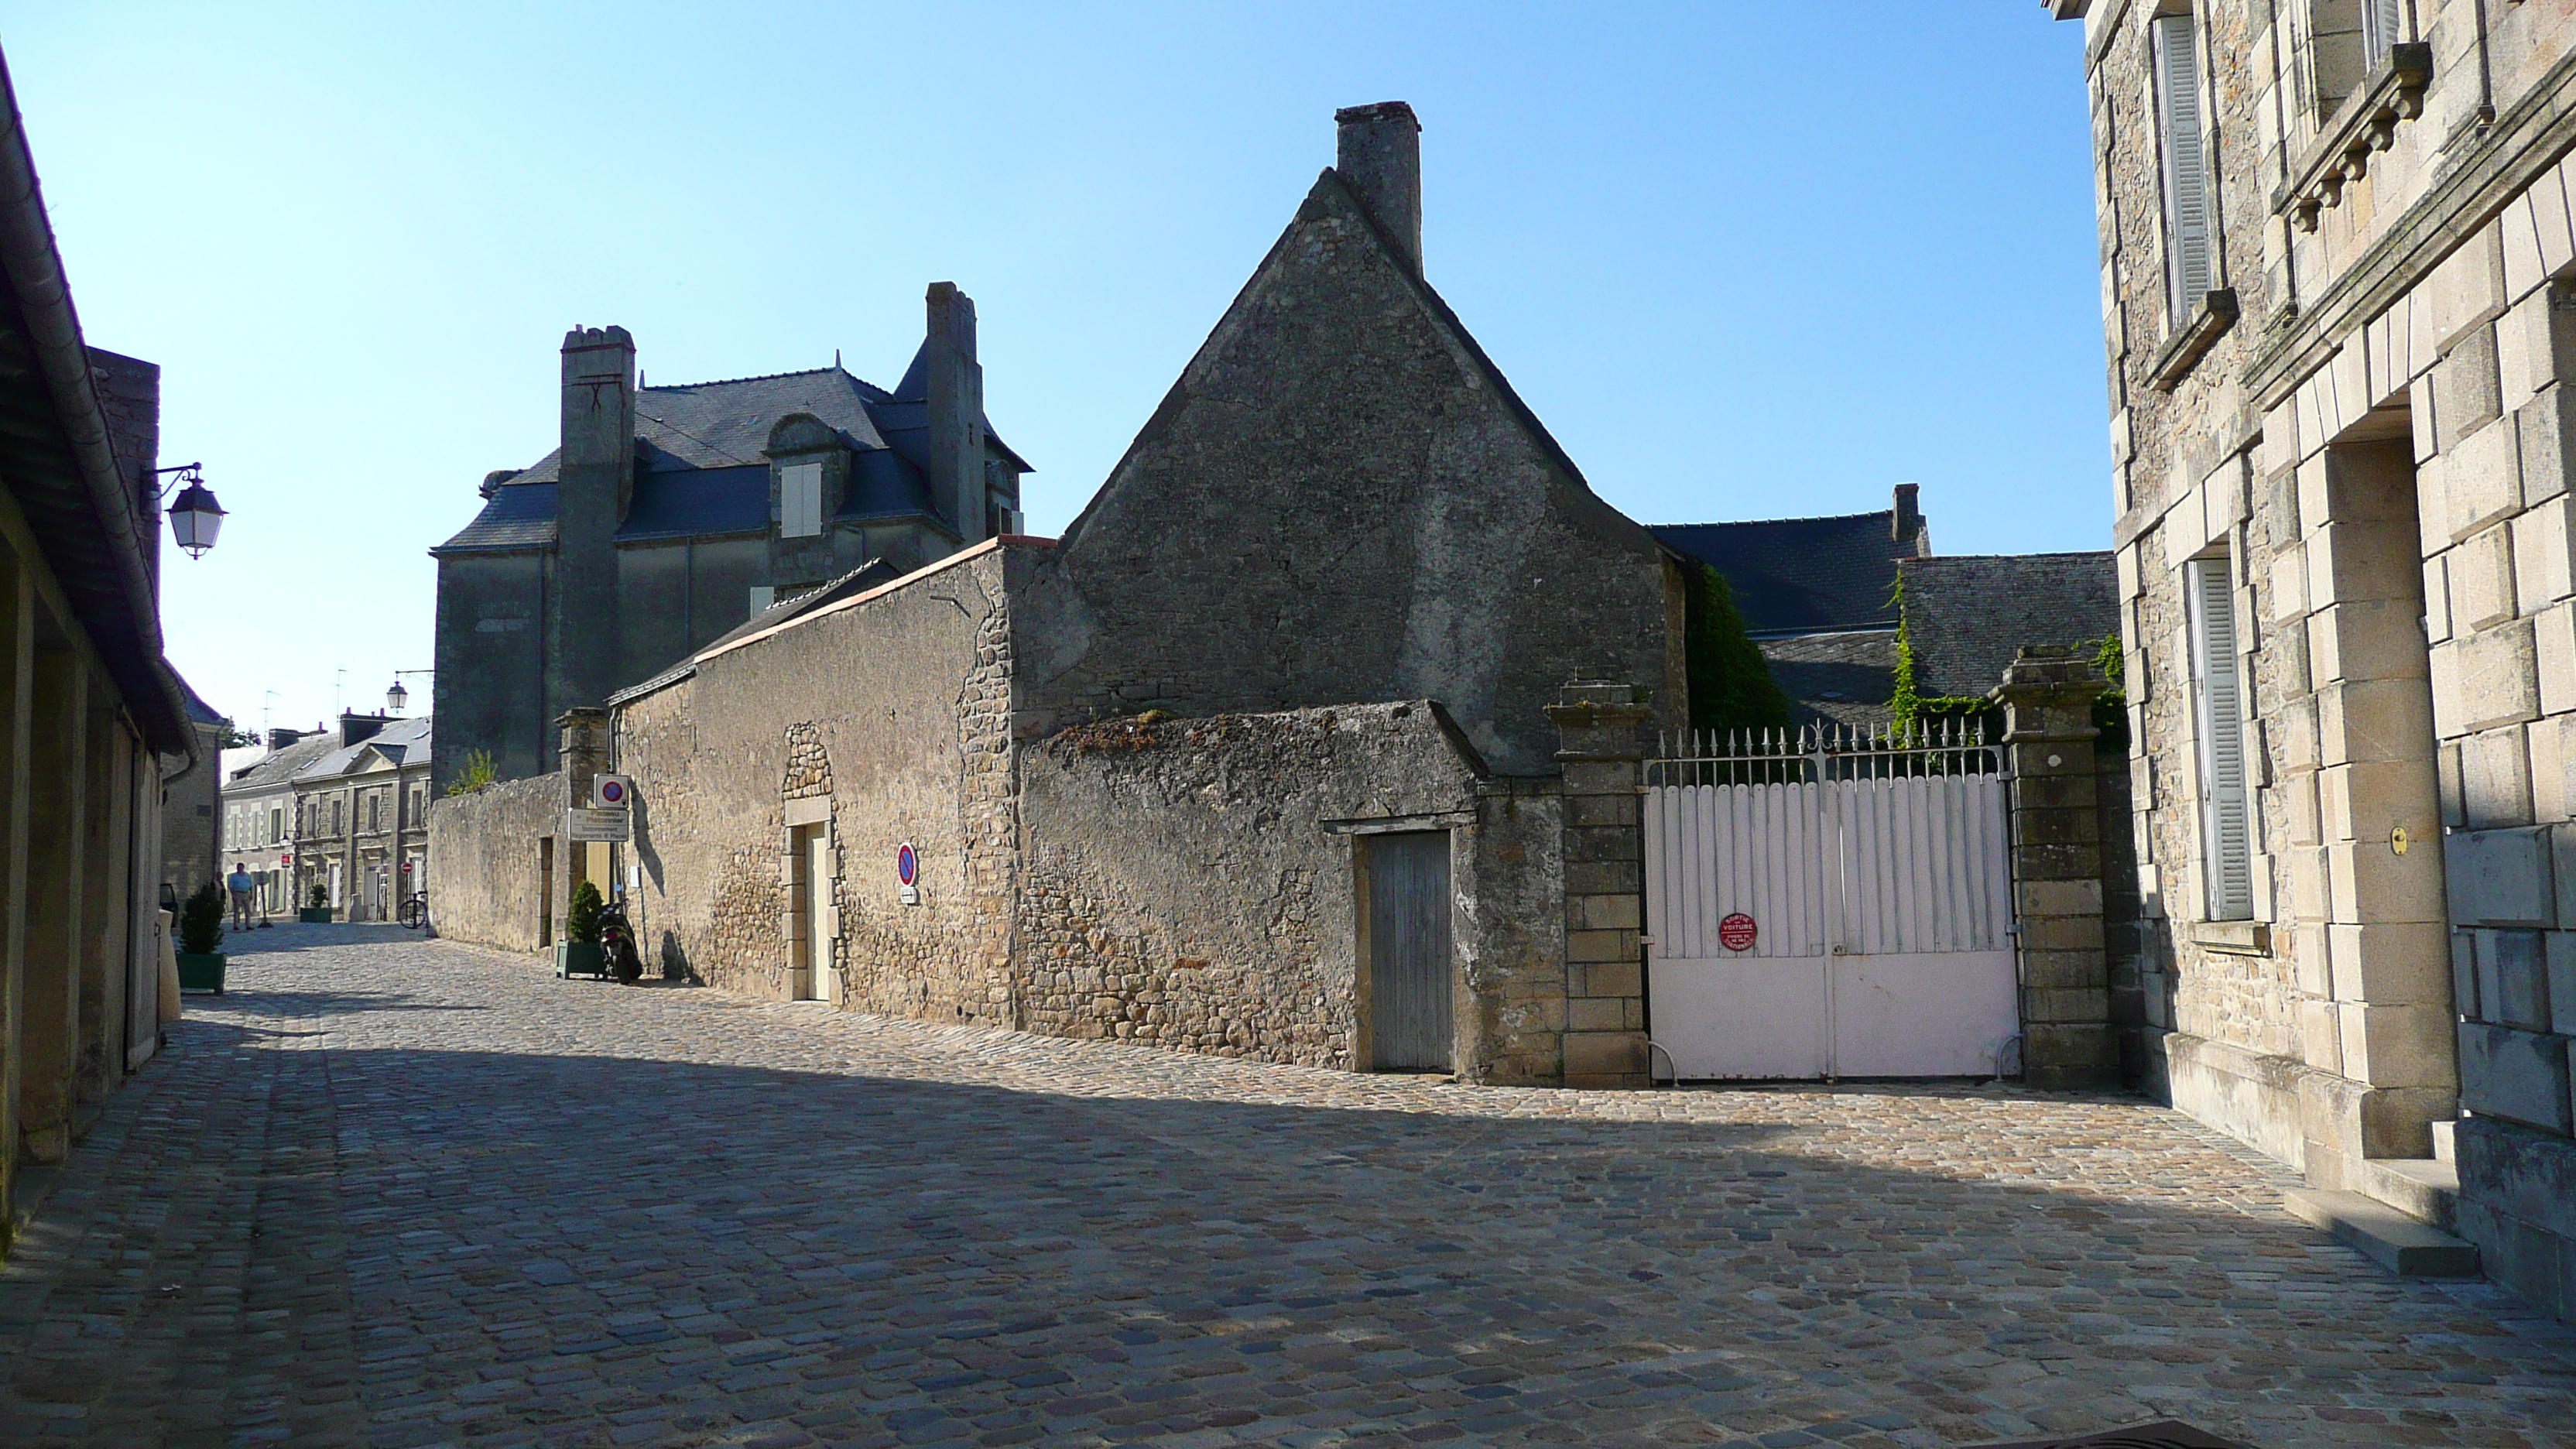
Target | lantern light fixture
(195,516)
(397,697)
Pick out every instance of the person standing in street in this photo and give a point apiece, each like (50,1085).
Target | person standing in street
(241,885)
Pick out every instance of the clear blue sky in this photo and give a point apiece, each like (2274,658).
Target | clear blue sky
(1746,260)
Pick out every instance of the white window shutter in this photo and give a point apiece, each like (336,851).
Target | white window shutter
(2187,198)
(800,500)
(2226,826)
(2383,24)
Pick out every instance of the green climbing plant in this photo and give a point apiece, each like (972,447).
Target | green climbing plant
(1730,682)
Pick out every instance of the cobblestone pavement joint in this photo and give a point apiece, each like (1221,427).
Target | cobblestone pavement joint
(395,1192)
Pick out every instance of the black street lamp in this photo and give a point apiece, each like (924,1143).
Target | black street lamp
(195,516)
(397,697)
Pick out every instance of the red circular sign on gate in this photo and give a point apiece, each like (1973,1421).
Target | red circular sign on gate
(1737,932)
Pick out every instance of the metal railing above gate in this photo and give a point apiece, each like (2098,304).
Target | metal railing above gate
(1819,752)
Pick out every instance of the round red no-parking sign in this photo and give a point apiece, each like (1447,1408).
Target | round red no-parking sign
(1737,932)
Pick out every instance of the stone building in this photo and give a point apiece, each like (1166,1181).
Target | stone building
(261,819)
(1273,754)
(667,516)
(1968,615)
(345,809)
(2336,266)
(191,845)
(363,816)
(89,708)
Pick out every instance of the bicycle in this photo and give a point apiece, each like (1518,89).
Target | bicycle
(415,910)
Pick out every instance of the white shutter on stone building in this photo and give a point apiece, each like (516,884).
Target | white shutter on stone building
(800,500)
(2382,26)
(2226,835)
(2187,191)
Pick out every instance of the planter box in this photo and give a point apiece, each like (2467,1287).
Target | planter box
(580,958)
(314,915)
(201,971)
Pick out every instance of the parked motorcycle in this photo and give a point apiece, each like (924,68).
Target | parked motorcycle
(617,943)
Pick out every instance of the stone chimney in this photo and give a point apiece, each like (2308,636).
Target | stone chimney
(956,393)
(599,408)
(279,739)
(1912,536)
(1380,160)
(356,728)
(595,478)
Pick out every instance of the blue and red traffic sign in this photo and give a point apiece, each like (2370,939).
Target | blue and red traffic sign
(907,865)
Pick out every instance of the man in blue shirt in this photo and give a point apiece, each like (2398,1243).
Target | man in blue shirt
(241,885)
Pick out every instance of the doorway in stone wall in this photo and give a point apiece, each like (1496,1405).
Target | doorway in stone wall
(545,892)
(810,976)
(1412,981)
(2365,904)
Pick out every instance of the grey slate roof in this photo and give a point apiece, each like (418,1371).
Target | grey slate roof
(404,742)
(199,712)
(700,469)
(857,581)
(518,515)
(1801,575)
(1848,677)
(278,767)
(1966,617)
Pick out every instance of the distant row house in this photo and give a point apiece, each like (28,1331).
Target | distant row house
(343,810)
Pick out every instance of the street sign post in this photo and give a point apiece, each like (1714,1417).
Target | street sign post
(595,826)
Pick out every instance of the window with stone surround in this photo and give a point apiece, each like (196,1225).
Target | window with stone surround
(2182,138)
(2218,707)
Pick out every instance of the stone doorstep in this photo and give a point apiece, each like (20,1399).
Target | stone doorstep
(2420,1187)
(2403,1245)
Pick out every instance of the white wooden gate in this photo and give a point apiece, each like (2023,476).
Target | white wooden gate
(1874,873)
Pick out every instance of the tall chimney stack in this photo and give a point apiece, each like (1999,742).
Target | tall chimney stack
(956,389)
(594,481)
(1908,528)
(1380,159)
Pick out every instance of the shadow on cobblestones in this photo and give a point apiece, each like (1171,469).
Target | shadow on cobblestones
(413,1195)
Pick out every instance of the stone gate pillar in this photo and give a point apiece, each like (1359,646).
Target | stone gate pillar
(1598,729)
(582,747)
(2047,698)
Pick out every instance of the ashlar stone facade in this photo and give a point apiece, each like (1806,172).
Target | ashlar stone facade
(2336,270)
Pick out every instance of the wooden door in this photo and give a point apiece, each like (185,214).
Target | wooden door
(1411,980)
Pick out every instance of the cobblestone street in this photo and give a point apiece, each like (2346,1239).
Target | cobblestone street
(398,1193)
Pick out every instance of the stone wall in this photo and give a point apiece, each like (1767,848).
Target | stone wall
(1191,884)
(486,880)
(885,721)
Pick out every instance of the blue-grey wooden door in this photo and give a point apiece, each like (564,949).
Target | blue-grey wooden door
(1410,986)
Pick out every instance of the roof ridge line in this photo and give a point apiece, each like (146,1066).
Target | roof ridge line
(765,377)
(1811,518)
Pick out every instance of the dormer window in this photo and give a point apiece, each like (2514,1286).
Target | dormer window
(800,500)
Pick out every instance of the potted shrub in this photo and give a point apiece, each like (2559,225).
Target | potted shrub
(578,953)
(317,911)
(201,935)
